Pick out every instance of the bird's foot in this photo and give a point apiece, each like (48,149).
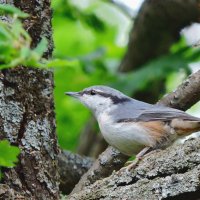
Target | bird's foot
(133,164)
(130,165)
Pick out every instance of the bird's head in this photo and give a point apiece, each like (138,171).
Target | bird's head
(99,98)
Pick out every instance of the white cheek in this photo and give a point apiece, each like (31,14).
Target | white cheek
(96,102)
(102,101)
(86,101)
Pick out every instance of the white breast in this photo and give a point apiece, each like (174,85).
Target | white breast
(129,138)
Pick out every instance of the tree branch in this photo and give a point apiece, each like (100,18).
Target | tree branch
(71,168)
(27,116)
(156,27)
(187,94)
(171,173)
(102,167)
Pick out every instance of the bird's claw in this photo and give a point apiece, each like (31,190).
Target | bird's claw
(131,165)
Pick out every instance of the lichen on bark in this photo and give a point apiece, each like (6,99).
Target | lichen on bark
(27,116)
(173,173)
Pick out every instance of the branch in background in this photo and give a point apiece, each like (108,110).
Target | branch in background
(184,96)
(91,142)
(121,6)
(156,28)
(87,137)
(71,168)
(99,146)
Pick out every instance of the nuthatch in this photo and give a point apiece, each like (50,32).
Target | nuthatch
(134,126)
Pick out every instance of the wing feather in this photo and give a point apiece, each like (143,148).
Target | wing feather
(158,113)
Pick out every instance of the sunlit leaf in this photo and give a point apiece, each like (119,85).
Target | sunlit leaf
(8,154)
(9,9)
(24,53)
(41,47)
(4,33)
(62,63)
(156,69)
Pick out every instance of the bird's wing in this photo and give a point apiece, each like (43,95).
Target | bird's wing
(158,120)
(158,113)
(165,114)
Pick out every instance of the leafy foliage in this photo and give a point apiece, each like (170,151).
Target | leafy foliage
(8,154)
(98,54)
(8,9)
(157,69)
(15,44)
(66,9)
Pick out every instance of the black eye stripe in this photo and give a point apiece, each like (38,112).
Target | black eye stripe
(93,92)
(115,99)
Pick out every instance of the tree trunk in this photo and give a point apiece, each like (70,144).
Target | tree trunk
(156,28)
(27,116)
(68,177)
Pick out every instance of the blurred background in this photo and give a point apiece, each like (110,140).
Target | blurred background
(126,44)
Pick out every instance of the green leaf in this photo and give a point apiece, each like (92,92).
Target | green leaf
(24,53)
(9,9)
(94,22)
(62,63)
(41,47)
(156,69)
(4,33)
(8,154)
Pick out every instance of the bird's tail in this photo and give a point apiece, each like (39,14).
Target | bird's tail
(185,127)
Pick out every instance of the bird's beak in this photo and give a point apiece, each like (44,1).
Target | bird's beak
(73,94)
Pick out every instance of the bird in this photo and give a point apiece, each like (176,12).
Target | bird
(132,126)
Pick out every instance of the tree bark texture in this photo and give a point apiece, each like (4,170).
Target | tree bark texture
(110,159)
(71,168)
(173,173)
(186,95)
(27,116)
(183,97)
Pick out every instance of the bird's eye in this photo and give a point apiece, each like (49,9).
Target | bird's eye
(92,92)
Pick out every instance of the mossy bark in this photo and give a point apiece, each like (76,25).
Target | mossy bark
(27,116)
(169,174)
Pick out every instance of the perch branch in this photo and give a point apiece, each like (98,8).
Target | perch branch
(168,174)
(71,168)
